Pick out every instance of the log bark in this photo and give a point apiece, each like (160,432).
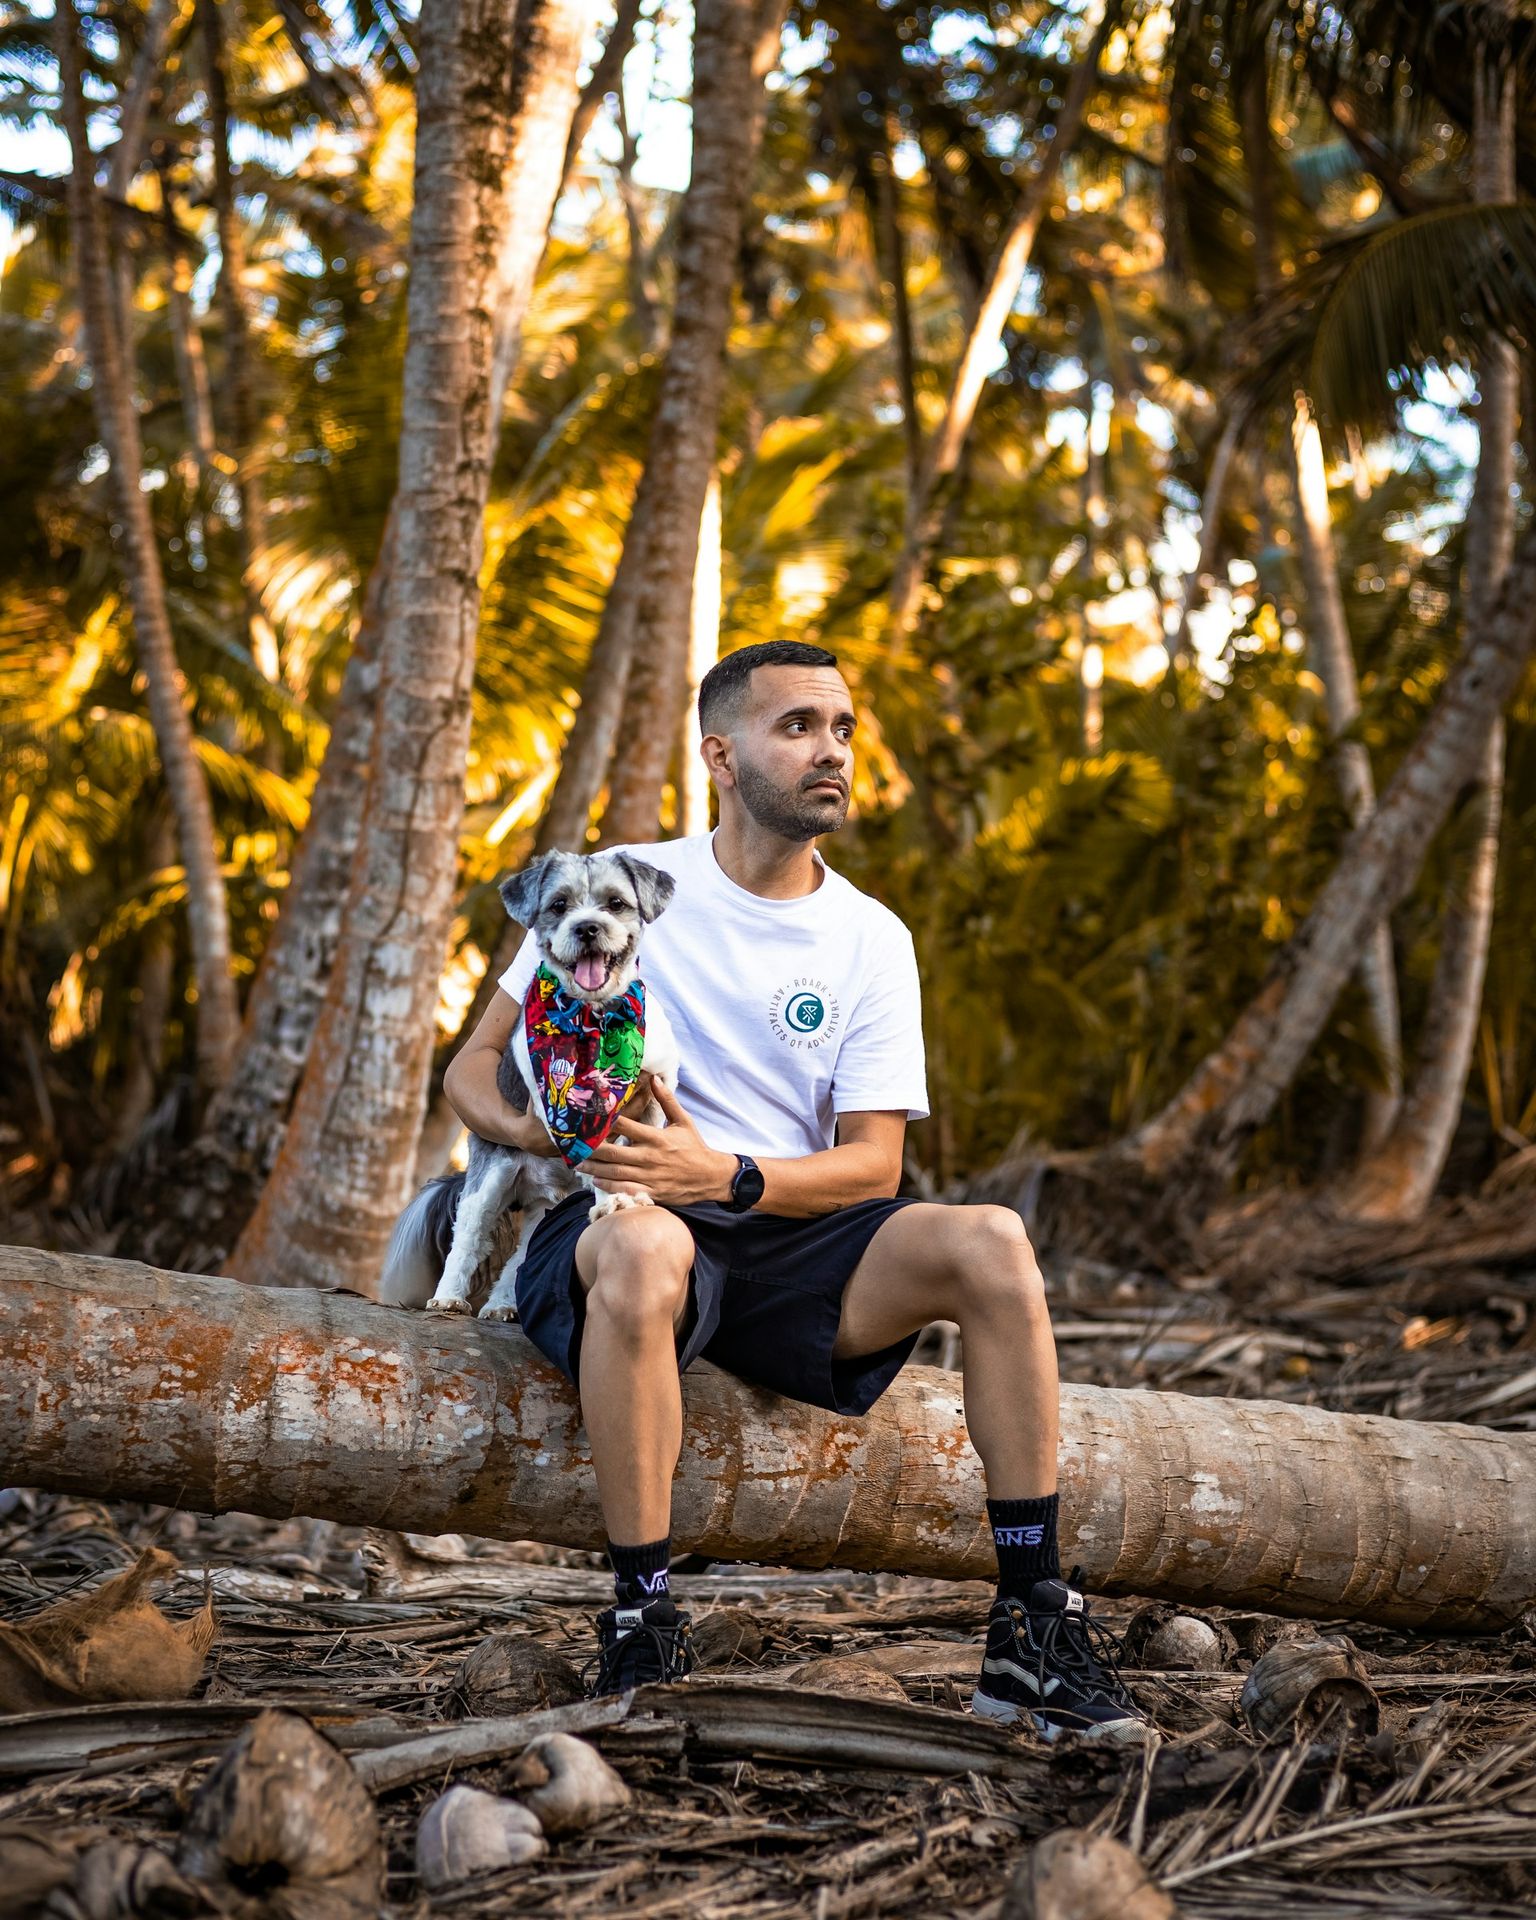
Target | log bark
(127,1383)
(117,421)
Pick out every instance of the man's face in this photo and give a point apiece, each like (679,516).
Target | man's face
(793,750)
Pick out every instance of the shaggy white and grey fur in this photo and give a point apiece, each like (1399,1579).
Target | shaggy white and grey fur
(577,906)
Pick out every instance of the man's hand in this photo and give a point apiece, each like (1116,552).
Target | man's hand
(673,1164)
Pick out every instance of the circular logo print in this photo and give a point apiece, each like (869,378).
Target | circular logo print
(805,1012)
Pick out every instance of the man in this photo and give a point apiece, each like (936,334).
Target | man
(778,1248)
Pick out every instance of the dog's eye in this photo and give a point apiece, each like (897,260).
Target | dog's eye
(616,903)
(559,903)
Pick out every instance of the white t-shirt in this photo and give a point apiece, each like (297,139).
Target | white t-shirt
(787,1012)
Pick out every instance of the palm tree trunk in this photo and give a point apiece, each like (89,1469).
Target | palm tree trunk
(285,1001)
(218,1016)
(194,1215)
(1203,1129)
(734,45)
(140,1082)
(160,22)
(925,505)
(550,37)
(348,1155)
(1217,479)
(644,294)
(891,255)
(606,78)
(1326,626)
(215,1396)
(239,352)
(1397,1181)
(703,652)
(187,342)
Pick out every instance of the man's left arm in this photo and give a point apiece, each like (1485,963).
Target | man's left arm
(677,1166)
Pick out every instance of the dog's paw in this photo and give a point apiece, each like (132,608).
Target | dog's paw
(490,1311)
(450,1303)
(619,1203)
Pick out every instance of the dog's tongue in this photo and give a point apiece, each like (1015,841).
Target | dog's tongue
(589,973)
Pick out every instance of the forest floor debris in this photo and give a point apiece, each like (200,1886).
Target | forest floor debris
(823,1763)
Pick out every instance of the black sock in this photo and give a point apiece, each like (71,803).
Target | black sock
(640,1573)
(1024,1533)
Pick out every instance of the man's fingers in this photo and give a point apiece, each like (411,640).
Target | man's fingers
(640,1093)
(666,1099)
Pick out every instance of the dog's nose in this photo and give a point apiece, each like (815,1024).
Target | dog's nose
(587,932)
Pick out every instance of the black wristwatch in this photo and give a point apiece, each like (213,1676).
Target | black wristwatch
(747,1187)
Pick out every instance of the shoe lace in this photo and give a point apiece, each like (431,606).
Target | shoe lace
(667,1644)
(1078,1644)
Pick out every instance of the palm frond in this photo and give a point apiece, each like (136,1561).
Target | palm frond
(1423,293)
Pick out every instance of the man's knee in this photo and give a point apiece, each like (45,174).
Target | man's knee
(992,1263)
(637,1269)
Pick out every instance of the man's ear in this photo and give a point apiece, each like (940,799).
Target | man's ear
(716,751)
(653,888)
(521,892)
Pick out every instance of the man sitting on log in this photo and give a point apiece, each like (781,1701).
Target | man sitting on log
(778,1248)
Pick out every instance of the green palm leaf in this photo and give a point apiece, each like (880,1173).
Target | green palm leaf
(1429,291)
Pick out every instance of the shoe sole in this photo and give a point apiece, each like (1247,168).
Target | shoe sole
(1110,1733)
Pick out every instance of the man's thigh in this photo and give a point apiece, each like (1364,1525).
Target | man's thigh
(904,1279)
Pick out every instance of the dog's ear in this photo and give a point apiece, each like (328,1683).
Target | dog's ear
(653,888)
(521,892)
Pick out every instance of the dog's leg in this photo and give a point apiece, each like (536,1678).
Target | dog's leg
(502,1304)
(492,1175)
(545,1184)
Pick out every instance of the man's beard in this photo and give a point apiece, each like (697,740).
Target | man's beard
(797,815)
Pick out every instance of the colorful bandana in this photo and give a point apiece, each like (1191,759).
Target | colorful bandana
(585,1060)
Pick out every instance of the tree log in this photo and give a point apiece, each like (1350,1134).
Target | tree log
(123,1382)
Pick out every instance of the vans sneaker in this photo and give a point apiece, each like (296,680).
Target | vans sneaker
(638,1646)
(1047,1658)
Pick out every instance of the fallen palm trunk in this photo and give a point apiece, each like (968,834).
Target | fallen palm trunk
(122,1382)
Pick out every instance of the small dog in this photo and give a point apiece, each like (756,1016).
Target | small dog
(586,913)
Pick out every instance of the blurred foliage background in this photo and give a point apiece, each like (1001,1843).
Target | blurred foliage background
(1097,784)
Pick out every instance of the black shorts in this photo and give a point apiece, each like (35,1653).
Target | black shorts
(765,1293)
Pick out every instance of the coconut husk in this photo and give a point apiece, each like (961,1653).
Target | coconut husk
(109,1644)
(283,1829)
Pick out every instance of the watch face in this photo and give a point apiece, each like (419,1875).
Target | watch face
(747,1187)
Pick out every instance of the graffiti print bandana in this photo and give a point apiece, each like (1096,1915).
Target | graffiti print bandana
(585,1060)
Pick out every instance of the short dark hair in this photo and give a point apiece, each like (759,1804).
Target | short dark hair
(723,690)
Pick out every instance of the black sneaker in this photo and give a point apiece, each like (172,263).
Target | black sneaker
(638,1646)
(1047,1658)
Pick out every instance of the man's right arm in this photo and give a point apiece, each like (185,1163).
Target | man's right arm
(470,1084)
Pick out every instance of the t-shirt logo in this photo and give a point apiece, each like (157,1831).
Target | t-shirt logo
(804,1013)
